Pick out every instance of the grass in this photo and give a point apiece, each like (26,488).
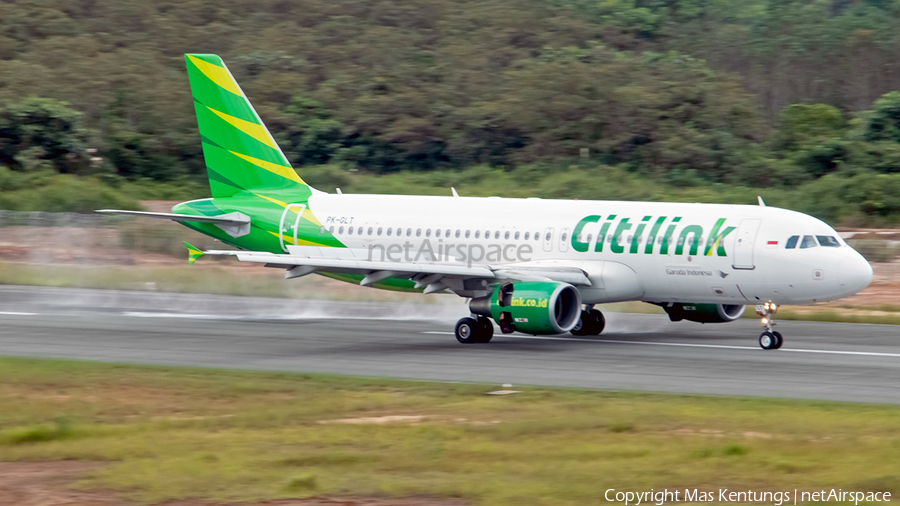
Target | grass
(171,433)
(839,316)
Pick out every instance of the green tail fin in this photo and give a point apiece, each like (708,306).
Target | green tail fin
(240,152)
(193,253)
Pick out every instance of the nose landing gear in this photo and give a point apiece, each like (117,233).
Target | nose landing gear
(769,339)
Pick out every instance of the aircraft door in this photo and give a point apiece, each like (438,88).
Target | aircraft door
(287,229)
(743,244)
(548,239)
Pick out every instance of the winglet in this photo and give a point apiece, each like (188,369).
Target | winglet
(193,253)
(760,200)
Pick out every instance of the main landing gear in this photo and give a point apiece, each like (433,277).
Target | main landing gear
(769,339)
(591,323)
(474,330)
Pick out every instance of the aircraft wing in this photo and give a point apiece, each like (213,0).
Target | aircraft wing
(434,276)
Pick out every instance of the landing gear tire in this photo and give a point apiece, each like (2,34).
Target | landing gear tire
(467,330)
(779,340)
(485,330)
(598,322)
(768,341)
(582,325)
(591,323)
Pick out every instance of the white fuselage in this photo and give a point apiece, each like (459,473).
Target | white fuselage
(655,252)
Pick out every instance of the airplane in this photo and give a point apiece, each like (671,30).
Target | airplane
(531,265)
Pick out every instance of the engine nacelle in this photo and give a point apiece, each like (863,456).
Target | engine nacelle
(531,307)
(703,313)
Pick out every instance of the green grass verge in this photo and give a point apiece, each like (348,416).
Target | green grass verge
(171,433)
(840,317)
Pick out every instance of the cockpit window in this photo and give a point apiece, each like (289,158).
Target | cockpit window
(828,241)
(792,242)
(808,242)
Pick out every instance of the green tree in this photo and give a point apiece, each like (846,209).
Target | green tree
(43,134)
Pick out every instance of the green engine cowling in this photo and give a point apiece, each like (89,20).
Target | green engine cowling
(703,313)
(531,307)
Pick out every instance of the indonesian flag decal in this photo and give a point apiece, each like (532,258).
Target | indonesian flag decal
(772,244)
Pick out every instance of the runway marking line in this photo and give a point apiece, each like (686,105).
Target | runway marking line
(140,314)
(690,345)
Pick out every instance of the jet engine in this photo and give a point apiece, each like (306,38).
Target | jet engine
(531,307)
(703,313)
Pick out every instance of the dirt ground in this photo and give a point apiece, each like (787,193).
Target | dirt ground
(49,484)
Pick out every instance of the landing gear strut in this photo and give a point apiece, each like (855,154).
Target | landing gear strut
(591,322)
(474,330)
(769,339)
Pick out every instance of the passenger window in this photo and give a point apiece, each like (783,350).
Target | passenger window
(457,233)
(350,230)
(418,232)
(331,229)
(588,239)
(437,232)
(808,242)
(477,234)
(828,241)
(370,230)
(389,231)
(506,235)
(447,233)
(548,236)
(428,233)
(408,232)
(467,234)
(497,234)
(562,237)
(341,230)
(379,230)
(792,242)
(527,235)
(359,231)
(517,236)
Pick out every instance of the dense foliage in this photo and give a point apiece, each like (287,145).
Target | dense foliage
(794,96)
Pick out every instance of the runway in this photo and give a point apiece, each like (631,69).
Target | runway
(829,361)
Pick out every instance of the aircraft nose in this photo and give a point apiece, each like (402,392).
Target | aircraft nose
(856,273)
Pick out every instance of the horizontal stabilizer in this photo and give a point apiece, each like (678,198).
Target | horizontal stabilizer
(233,224)
(230,218)
(194,252)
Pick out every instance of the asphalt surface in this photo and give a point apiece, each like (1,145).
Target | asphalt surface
(830,361)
